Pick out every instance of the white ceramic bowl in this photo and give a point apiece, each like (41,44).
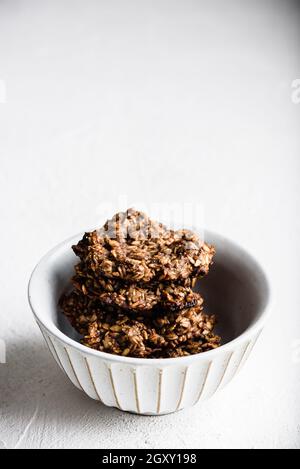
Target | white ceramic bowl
(236,289)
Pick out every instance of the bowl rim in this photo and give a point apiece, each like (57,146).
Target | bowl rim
(53,330)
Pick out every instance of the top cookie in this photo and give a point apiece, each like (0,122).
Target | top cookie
(134,248)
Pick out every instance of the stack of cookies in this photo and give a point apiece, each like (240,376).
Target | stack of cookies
(133,289)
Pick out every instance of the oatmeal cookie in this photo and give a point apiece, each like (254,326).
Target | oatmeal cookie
(133,248)
(134,297)
(162,335)
(133,290)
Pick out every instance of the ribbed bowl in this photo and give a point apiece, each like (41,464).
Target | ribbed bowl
(236,290)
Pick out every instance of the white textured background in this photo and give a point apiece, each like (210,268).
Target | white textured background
(160,101)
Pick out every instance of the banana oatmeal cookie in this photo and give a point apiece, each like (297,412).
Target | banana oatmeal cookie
(132,247)
(133,290)
(132,296)
(161,335)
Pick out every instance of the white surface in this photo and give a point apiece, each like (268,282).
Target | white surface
(159,101)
